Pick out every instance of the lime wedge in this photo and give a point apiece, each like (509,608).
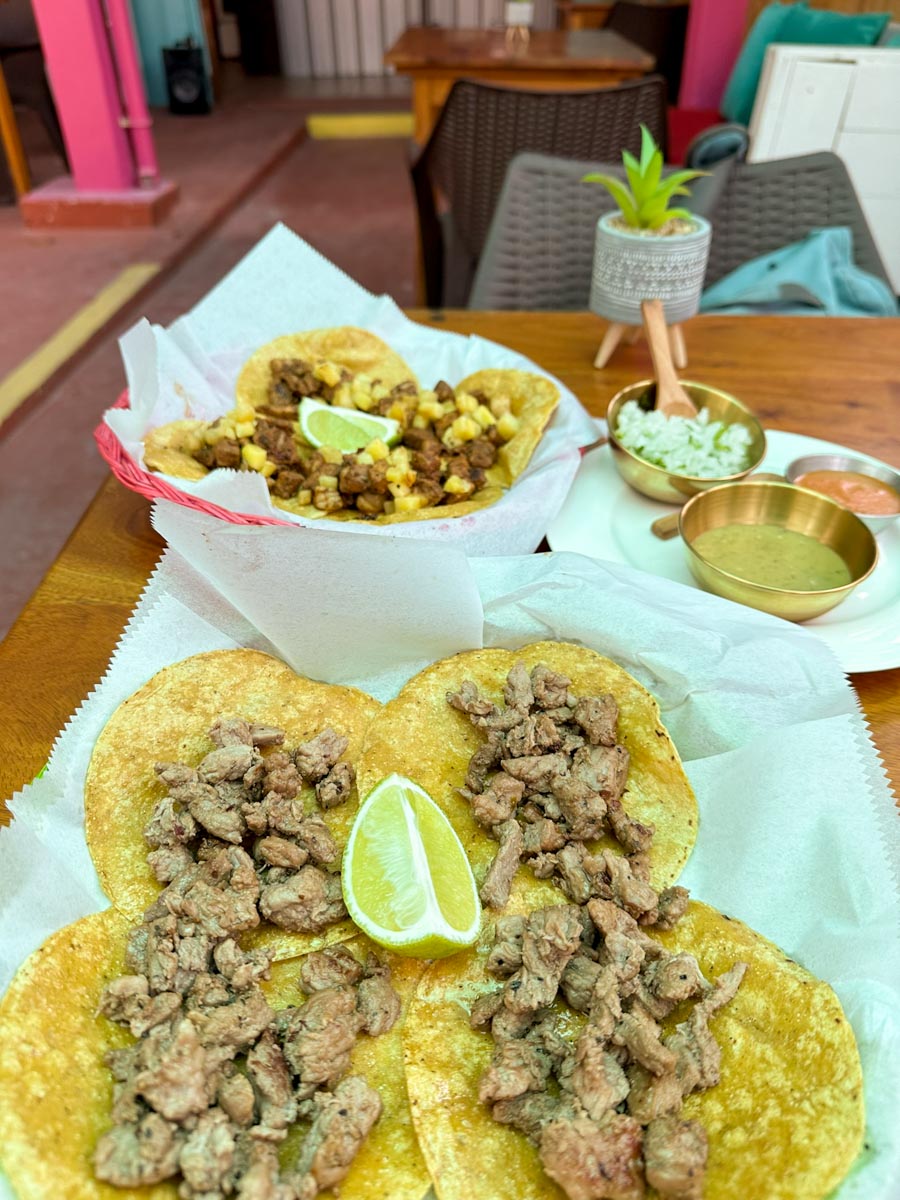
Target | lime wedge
(406,878)
(344,428)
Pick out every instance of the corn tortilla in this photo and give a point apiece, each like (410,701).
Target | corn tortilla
(786,1121)
(56,1091)
(168,720)
(358,350)
(420,735)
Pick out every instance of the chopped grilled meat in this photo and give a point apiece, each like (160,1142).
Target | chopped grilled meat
(642,1037)
(237,1098)
(319,1036)
(236,1024)
(271,1080)
(533,735)
(168,862)
(485,1009)
(635,897)
(336,786)
(542,836)
(227,453)
(537,772)
(551,690)
(353,477)
(634,837)
(330,968)
(578,980)
(531,1111)
(594,1162)
(306,902)
(696,1050)
(583,808)
(316,757)
(341,1124)
(506,956)
(286,483)
(487,755)
(480,452)
(131,1156)
(673,902)
(603,768)
(518,1066)
(574,878)
(207,1154)
(231,761)
(467,700)
(498,802)
(378,1004)
(315,836)
(280,852)
(597,1080)
(651,1096)
(675,1155)
(282,776)
(598,717)
(498,880)
(170,823)
(551,937)
(517,691)
(371,503)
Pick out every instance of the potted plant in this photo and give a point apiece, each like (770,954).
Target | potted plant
(646,249)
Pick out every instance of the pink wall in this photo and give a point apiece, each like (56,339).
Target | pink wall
(714,36)
(81,73)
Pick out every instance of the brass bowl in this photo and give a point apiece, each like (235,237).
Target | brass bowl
(789,507)
(657,482)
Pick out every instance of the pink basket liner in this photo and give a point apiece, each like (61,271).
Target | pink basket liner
(154,487)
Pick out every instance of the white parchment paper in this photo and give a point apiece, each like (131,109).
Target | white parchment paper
(282,286)
(798,833)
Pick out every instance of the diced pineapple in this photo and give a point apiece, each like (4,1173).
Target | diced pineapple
(459,487)
(245,429)
(331,455)
(365,459)
(419,422)
(328,481)
(431,410)
(267,469)
(213,434)
(465,428)
(343,397)
(228,430)
(397,411)
(362,398)
(193,442)
(448,407)
(409,503)
(304,496)
(377,449)
(328,372)
(253,456)
(399,457)
(507,426)
(450,440)
(500,405)
(427,396)
(465,403)
(390,505)
(484,416)
(363,380)
(379,391)
(398,489)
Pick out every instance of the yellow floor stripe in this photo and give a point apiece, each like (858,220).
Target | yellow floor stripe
(359,125)
(39,366)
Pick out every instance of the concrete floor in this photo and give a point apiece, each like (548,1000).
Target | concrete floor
(239,175)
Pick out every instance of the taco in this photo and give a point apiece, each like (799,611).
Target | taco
(449,730)
(785,1120)
(427,453)
(230,749)
(65,1117)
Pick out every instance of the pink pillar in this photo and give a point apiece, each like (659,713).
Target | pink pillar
(80,67)
(714,35)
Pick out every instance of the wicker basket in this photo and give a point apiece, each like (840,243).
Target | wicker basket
(154,487)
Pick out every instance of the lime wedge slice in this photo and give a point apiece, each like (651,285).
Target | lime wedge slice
(406,878)
(344,428)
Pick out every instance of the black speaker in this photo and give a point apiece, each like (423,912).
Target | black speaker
(186,78)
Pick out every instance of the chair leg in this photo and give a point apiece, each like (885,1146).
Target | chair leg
(12,142)
(633,335)
(679,349)
(611,339)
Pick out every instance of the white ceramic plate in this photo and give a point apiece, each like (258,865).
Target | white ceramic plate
(604,518)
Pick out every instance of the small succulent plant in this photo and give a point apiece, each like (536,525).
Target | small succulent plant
(645,203)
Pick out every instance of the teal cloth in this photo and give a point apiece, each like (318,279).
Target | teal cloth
(892,43)
(794,24)
(815,277)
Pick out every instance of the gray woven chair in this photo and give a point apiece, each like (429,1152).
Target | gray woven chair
(461,168)
(540,247)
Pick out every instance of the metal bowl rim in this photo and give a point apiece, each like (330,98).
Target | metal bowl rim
(719,479)
(764,587)
(848,462)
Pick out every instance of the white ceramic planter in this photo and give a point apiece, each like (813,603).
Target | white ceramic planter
(629,268)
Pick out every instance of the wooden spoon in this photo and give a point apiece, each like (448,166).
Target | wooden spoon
(671,398)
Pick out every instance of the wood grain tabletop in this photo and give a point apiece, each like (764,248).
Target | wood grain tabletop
(830,378)
(478,49)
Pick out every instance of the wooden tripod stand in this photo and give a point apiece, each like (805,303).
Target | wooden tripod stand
(630,334)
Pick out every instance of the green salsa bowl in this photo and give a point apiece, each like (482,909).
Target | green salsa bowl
(786,550)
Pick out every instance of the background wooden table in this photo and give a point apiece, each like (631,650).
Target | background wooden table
(835,379)
(435,58)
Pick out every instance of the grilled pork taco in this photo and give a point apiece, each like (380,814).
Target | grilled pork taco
(421,454)
(561,1105)
(552,748)
(112,1086)
(230,750)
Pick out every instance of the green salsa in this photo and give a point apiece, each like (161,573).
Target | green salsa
(773,557)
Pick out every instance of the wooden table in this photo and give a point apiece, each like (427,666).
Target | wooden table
(837,379)
(435,58)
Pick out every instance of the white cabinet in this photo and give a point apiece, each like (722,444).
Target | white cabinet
(845,99)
